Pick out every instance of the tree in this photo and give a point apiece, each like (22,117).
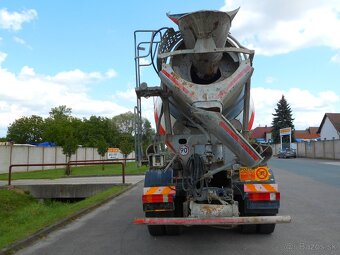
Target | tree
(57,123)
(26,130)
(148,134)
(60,112)
(63,129)
(126,145)
(70,146)
(102,148)
(96,128)
(125,122)
(282,119)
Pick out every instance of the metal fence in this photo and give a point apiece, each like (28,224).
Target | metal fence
(73,163)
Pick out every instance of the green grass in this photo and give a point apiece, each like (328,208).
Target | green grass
(22,215)
(95,170)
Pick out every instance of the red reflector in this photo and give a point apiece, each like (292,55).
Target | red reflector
(273,196)
(157,198)
(278,196)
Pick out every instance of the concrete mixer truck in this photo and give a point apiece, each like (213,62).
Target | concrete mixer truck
(202,168)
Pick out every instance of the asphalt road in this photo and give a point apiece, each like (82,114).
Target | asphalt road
(310,193)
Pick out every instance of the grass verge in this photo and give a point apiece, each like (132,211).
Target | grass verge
(95,170)
(22,215)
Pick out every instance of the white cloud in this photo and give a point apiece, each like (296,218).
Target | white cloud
(336,58)
(148,110)
(144,61)
(26,71)
(30,93)
(307,108)
(3,56)
(129,95)
(19,40)
(22,42)
(111,73)
(275,27)
(14,20)
(270,80)
(78,77)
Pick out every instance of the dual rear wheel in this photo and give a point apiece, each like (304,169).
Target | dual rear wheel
(259,228)
(159,230)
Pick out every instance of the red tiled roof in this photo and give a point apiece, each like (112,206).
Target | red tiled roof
(260,132)
(305,134)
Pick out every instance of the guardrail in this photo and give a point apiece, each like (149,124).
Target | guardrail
(72,163)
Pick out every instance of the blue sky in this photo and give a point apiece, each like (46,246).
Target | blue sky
(81,54)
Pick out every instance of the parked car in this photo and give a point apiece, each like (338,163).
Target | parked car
(287,153)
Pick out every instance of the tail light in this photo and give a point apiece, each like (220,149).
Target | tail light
(265,196)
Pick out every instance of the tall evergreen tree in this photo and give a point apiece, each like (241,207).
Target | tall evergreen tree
(282,119)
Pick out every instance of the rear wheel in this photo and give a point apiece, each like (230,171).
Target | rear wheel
(159,230)
(266,228)
(156,230)
(248,229)
(173,230)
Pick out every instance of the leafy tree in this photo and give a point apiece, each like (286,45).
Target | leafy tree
(148,134)
(282,119)
(62,128)
(125,122)
(96,128)
(102,147)
(26,130)
(55,125)
(126,144)
(70,146)
(60,112)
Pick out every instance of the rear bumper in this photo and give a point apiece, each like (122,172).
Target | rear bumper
(215,221)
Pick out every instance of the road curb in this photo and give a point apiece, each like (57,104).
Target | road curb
(20,244)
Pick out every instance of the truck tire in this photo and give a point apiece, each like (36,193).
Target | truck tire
(266,228)
(173,230)
(156,230)
(248,229)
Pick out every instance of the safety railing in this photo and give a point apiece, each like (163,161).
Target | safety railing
(72,163)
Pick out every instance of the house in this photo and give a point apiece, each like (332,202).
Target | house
(309,134)
(330,126)
(262,134)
